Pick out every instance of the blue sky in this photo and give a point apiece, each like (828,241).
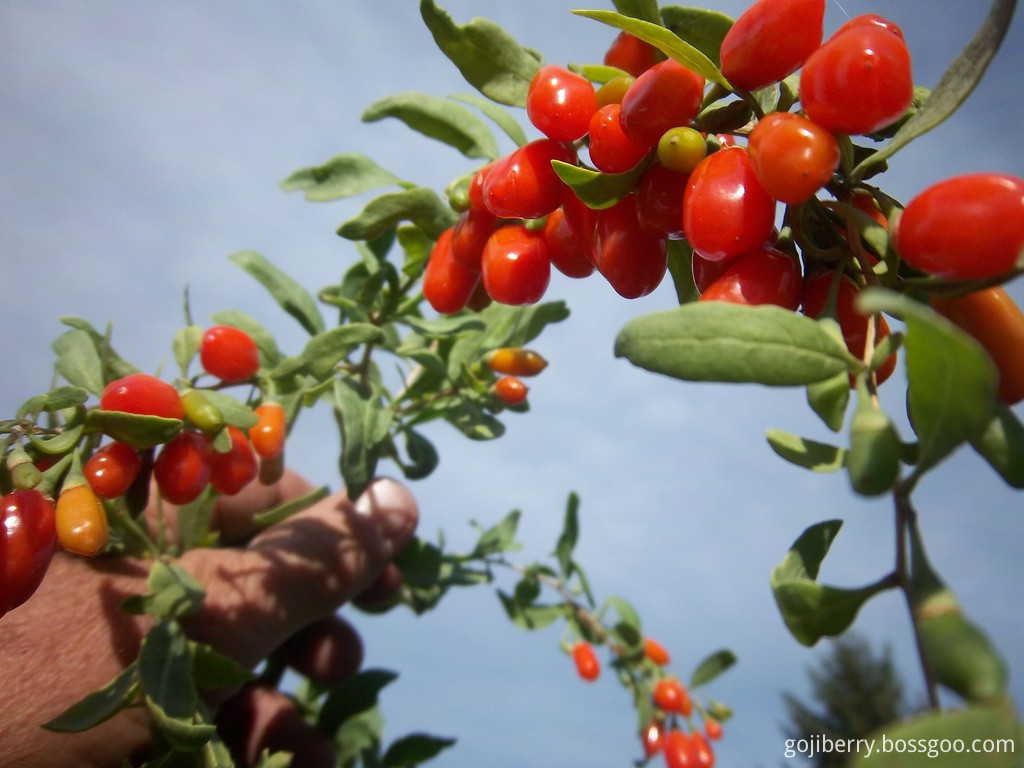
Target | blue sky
(141,144)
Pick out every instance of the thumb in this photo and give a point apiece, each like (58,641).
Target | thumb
(299,571)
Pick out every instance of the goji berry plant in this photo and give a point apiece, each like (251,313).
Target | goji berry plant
(741,160)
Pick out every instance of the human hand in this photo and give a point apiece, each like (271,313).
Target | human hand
(280,589)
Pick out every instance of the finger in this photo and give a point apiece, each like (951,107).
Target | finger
(260,718)
(327,652)
(299,571)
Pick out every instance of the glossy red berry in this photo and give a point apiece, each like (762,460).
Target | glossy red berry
(516,265)
(469,236)
(659,201)
(665,96)
(511,390)
(570,252)
(229,353)
(81,520)
(763,276)
(268,435)
(671,696)
(703,754)
(652,738)
(968,227)
(631,54)
(713,729)
(447,284)
(770,41)
(234,469)
(28,539)
(524,185)
(182,468)
(142,394)
(792,156)
(611,151)
(559,103)
(859,81)
(655,651)
(679,751)
(588,666)
(112,469)
(726,211)
(633,261)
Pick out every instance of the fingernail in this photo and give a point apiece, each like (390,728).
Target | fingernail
(393,507)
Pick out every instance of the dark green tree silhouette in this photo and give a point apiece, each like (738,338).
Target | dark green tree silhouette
(854,691)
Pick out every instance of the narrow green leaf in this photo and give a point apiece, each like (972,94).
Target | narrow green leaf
(680,266)
(829,399)
(955,85)
(665,40)
(414,749)
(811,610)
(114,366)
(186,346)
(327,348)
(487,56)
(420,205)
(809,454)
(703,29)
(1001,444)
(342,176)
(599,190)
(213,670)
(423,456)
(952,382)
(569,536)
(173,592)
(289,294)
(439,119)
(165,670)
(291,507)
(183,733)
(498,115)
(78,360)
(353,696)
(718,341)
(132,428)
(234,411)
(498,538)
(647,10)
(364,424)
(100,705)
(628,628)
(472,420)
(711,667)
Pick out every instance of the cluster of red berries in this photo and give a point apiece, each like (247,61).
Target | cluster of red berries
(59,500)
(511,365)
(717,194)
(671,732)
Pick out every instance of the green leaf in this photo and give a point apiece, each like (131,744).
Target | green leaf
(487,56)
(289,294)
(498,538)
(530,616)
(928,739)
(439,119)
(173,592)
(599,190)
(186,346)
(809,454)
(423,456)
(234,411)
(646,10)
(829,399)
(183,733)
(135,429)
(569,536)
(420,205)
(951,380)
(628,628)
(99,706)
(55,400)
(665,40)
(352,696)
(78,360)
(165,670)
(497,114)
(213,670)
(809,609)
(719,341)
(291,507)
(325,349)
(701,28)
(342,176)
(680,266)
(473,421)
(1001,444)
(114,366)
(955,85)
(414,749)
(711,667)
(364,424)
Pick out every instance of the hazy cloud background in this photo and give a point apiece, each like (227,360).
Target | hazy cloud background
(142,143)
